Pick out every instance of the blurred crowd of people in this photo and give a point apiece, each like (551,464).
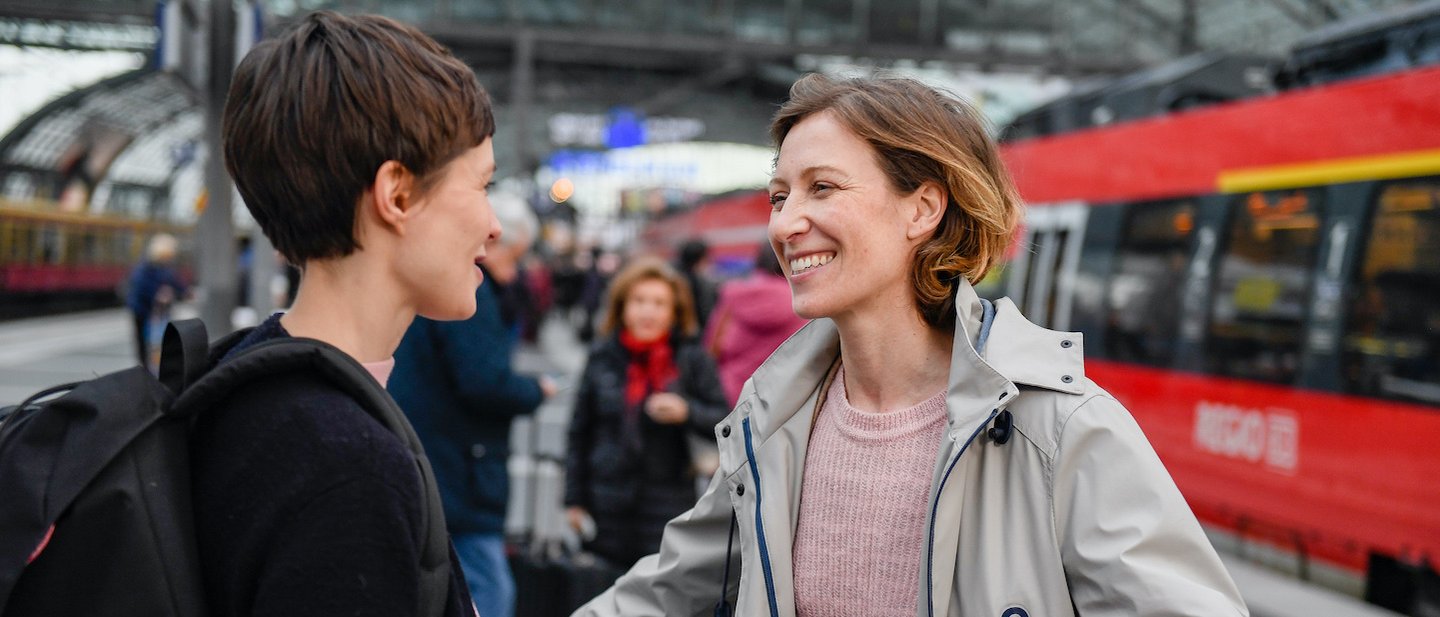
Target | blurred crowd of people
(670,348)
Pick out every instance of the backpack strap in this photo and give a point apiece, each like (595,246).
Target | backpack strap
(292,356)
(184,354)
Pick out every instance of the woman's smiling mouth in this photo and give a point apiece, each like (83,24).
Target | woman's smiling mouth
(804,264)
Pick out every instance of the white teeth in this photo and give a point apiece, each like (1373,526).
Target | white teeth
(809,262)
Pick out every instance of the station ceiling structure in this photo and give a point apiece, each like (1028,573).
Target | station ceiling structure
(725,61)
(1071,37)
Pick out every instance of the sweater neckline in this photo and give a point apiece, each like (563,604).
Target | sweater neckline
(862,424)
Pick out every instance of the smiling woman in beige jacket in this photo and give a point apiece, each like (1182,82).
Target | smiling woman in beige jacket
(917,450)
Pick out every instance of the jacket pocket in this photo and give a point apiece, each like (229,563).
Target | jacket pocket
(489,480)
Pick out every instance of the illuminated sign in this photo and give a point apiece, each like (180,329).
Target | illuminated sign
(620,129)
(77,35)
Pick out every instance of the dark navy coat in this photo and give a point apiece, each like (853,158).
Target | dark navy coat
(454,381)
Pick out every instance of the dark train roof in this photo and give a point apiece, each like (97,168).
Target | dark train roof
(1370,44)
(1190,82)
(1367,45)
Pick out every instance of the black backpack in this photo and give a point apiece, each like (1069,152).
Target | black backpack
(96,515)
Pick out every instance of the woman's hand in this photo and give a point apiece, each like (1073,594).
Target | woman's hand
(548,387)
(580,521)
(667,408)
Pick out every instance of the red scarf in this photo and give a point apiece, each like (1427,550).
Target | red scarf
(651,368)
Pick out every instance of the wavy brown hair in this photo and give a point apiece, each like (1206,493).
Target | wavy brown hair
(921,134)
(648,269)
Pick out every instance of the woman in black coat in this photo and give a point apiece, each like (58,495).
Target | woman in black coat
(648,383)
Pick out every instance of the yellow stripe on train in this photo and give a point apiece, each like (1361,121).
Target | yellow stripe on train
(1333,171)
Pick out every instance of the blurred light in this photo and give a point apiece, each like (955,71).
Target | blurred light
(561,190)
(1184,222)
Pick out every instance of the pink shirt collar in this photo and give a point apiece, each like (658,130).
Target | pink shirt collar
(380,369)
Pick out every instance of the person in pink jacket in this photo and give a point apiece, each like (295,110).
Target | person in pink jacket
(751,319)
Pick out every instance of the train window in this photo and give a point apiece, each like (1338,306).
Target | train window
(19,243)
(1143,301)
(125,246)
(73,247)
(1025,276)
(1057,258)
(24,248)
(7,241)
(1392,340)
(93,242)
(1262,286)
(52,244)
(992,287)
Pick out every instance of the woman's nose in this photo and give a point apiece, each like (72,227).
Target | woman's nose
(788,223)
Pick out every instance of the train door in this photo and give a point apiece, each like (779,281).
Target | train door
(1043,278)
(1391,343)
(1089,312)
(1260,298)
(1207,229)
(1339,253)
(1145,294)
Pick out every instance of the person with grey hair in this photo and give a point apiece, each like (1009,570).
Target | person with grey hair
(455,381)
(153,285)
(517,307)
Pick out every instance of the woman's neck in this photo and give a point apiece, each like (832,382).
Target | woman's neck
(342,303)
(893,361)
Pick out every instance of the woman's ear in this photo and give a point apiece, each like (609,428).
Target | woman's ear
(391,198)
(928,203)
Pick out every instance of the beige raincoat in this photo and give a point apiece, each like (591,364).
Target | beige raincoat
(1073,514)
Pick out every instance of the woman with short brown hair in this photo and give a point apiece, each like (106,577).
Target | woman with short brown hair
(917,450)
(364,150)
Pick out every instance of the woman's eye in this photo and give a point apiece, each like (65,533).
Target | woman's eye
(821,186)
(777,200)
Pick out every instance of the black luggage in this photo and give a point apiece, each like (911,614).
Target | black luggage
(555,585)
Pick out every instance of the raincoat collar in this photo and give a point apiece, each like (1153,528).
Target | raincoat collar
(1017,353)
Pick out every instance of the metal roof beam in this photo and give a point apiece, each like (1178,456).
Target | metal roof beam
(1324,8)
(89,12)
(1303,18)
(77,35)
(1150,15)
(687,52)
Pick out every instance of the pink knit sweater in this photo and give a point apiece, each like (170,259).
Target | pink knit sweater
(862,507)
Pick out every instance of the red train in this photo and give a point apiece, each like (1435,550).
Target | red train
(733,225)
(1259,282)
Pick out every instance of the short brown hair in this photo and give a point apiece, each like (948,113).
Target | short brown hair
(313,113)
(921,134)
(649,269)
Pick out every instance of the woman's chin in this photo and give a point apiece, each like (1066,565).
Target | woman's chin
(453,311)
(806,310)
(646,335)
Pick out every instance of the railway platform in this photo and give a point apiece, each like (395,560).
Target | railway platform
(45,351)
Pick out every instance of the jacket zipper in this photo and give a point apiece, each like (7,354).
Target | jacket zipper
(760,525)
(934,509)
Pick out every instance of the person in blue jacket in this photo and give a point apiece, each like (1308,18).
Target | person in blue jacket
(455,381)
(153,286)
